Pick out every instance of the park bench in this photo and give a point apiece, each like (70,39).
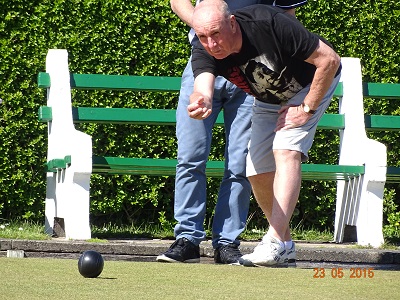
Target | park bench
(360,174)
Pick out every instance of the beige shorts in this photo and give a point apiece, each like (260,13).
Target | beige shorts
(260,158)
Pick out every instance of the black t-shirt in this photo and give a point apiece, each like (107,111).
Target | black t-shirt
(271,63)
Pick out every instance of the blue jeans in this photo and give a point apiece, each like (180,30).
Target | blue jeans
(194,141)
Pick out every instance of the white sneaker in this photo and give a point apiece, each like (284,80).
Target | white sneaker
(268,253)
(291,256)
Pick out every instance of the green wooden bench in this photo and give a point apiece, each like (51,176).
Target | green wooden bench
(62,161)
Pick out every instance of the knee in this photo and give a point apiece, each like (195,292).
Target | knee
(284,155)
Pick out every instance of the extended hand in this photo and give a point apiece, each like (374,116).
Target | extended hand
(199,108)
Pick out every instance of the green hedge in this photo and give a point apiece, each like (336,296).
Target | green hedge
(146,38)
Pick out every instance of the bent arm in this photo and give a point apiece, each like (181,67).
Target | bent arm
(327,62)
(200,106)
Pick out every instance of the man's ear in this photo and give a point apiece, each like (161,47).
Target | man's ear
(232,23)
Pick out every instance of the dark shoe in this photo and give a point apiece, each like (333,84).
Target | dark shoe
(227,254)
(182,250)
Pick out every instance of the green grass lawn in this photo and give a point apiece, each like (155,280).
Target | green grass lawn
(41,278)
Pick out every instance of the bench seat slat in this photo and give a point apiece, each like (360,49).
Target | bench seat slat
(147,166)
(167,167)
(393,174)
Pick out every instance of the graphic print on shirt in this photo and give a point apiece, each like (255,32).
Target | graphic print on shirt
(265,83)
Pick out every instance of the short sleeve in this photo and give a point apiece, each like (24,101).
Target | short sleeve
(295,39)
(201,61)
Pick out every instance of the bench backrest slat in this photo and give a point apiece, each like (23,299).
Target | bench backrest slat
(153,116)
(381,90)
(382,123)
(116,82)
(127,82)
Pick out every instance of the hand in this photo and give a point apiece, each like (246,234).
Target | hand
(291,117)
(199,108)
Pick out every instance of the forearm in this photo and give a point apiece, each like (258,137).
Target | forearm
(204,86)
(326,68)
(183,9)
(200,106)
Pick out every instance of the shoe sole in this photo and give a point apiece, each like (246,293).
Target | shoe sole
(282,265)
(248,263)
(229,264)
(164,258)
(292,263)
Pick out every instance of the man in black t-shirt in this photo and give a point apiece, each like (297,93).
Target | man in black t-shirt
(292,73)
(194,140)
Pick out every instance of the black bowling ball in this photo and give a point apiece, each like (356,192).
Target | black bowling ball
(90,264)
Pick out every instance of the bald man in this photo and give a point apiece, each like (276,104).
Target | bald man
(194,143)
(292,74)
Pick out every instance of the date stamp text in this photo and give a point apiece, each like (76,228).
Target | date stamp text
(355,273)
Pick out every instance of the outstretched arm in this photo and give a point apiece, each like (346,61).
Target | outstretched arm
(200,106)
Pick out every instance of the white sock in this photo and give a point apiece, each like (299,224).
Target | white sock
(288,244)
(267,238)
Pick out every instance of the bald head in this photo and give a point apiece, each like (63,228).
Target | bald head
(206,8)
(216,28)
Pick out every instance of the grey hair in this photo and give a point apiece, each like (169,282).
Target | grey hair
(222,7)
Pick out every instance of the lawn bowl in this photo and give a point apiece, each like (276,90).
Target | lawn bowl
(90,264)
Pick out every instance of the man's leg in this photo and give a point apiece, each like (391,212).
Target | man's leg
(234,195)
(262,185)
(275,178)
(286,192)
(290,147)
(190,182)
(263,191)
(194,140)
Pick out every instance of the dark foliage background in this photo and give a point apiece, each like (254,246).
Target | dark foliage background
(144,37)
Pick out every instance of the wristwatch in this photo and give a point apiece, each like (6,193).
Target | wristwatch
(307,109)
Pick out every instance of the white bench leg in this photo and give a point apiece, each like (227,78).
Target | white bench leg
(360,202)
(369,222)
(50,204)
(347,199)
(370,211)
(68,192)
